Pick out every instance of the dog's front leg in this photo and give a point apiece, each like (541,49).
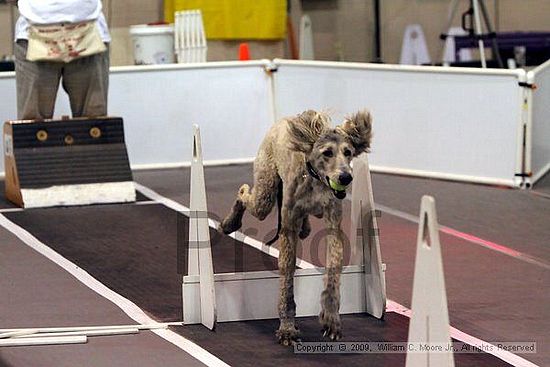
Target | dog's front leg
(287,333)
(330,298)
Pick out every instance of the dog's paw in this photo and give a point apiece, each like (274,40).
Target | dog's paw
(331,325)
(288,336)
(306,229)
(233,221)
(244,190)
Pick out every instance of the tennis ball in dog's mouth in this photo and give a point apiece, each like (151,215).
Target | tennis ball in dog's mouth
(336,186)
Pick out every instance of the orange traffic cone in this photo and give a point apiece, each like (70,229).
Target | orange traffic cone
(244,52)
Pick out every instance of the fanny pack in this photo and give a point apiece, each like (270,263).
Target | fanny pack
(64,42)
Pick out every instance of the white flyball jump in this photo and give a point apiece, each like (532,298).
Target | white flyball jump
(429,323)
(210,297)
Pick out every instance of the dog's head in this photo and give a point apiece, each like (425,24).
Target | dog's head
(328,150)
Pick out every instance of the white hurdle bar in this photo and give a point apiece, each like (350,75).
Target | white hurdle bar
(70,335)
(189,37)
(429,322)
(152,326)
(20,342)
(209,297)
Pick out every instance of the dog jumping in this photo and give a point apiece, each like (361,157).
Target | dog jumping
(308,162)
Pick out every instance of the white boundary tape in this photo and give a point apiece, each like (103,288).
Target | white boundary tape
(391,306)
(129,308)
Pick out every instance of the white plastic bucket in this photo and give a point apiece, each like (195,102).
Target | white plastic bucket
(153,44)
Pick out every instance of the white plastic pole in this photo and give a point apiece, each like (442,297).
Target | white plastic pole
(108,327)
(19,342)
(18,333)
(478,32)
(104,332)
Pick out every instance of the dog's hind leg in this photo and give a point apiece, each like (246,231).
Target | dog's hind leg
(259,201)
(330,298)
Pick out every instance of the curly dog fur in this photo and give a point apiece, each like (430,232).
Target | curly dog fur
(312,160)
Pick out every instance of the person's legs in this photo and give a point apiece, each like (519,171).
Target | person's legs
(86,81)
(37,84)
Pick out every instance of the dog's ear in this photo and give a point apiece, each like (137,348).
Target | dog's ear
(305,129)
(358,129)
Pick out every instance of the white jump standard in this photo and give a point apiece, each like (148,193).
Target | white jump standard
(429,323)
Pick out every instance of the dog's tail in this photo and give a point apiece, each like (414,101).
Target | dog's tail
(279,218)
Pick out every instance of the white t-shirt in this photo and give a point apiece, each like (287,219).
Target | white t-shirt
(59,11)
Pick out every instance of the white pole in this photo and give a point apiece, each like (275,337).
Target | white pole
(105,332)
(17,333)
(17,342)
(112,327)
(478,33)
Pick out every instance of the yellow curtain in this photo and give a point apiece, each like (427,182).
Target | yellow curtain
(235,19)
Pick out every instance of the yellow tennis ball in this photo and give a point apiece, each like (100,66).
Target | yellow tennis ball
(336,186)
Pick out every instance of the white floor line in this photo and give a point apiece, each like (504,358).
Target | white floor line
(472,239)
(392,306)
(127,306)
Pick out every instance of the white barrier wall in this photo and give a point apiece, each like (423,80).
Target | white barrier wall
(440,122)
(540,121)
(451,123)
(231,101)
